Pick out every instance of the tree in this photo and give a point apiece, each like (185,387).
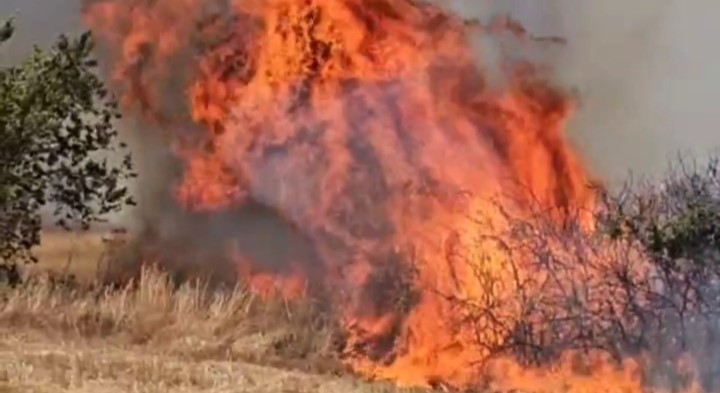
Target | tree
(56,121)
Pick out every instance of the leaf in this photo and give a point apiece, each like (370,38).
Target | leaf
(7,30)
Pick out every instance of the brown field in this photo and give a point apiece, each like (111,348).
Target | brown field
(70,253)
(56,337)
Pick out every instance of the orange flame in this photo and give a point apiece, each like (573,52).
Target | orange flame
(370,125)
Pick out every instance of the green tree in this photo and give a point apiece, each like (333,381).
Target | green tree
(57,126)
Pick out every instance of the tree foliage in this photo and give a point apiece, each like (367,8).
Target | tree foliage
(679,220)
(56,131)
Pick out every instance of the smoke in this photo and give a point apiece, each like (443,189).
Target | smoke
(643,70)
(646,78)
(38,22)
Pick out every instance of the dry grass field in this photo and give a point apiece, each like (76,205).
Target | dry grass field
(71,253)
(152,337)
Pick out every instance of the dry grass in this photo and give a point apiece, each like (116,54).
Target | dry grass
(154,337)
(73,367)
(71,253)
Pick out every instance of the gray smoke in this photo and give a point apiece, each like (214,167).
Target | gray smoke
(38,22)
(645,72)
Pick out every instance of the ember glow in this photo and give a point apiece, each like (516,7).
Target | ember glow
(371,127)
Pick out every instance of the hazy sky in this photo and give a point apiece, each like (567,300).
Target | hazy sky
(38,22)
(647,70)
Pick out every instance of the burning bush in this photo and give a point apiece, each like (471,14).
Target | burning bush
(358,151)
(639,290)
(677,225)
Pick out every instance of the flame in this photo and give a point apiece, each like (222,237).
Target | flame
(372,126)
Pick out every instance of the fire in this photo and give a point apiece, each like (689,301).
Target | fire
(372,127)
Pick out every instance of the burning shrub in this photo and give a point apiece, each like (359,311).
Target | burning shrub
(677,224)
(642,285)
(314,136)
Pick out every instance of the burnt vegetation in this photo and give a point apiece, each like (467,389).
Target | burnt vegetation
(643,284)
